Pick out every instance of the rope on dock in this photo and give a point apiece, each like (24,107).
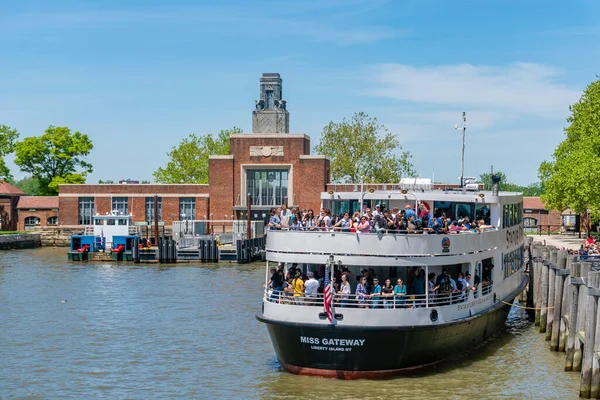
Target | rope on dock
(526,308)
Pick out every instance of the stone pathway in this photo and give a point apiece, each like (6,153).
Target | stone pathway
(567,241)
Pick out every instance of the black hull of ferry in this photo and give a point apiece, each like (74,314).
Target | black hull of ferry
(384,351)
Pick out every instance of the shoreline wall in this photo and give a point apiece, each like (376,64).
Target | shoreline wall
(20,241)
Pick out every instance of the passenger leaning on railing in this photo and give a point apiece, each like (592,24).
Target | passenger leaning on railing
(311,289)
(345,290)
(274,220)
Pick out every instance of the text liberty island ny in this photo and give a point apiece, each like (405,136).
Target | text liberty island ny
(346,191)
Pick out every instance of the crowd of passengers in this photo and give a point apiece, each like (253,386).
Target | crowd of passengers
(368,221)
(366,291)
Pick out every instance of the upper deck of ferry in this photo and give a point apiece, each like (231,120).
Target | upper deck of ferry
(501,213)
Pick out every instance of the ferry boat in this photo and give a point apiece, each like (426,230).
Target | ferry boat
(370,339)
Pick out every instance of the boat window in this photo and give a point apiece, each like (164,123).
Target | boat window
(122,221)
(512,261)
(482,211)
(111,222)
(98,221)
(463,210)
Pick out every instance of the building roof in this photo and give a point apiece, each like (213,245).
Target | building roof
(7,189)
(533,203)
(38,202)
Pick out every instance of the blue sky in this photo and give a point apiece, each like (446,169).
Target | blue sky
(138,76)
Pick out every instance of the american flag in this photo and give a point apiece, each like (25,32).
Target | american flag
(327,297)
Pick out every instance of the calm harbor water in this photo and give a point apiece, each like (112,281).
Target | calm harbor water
(74,331)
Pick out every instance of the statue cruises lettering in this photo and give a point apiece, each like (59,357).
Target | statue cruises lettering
(449,285)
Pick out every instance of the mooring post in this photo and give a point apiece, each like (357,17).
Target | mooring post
(595,386)
(544,289)
(573,336)
(551,293)
(536,253)
(567,262)
(559,270)
(590,336)
(581,316)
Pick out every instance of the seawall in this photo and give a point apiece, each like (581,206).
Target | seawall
(20,241)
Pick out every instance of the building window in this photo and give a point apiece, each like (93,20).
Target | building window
(269,96)
(31,222)
(52,220)
(150,209)
(86,210)
(530,224)
(267,187)
(187,208)
(119,204)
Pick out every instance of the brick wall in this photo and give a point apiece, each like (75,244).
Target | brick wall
(545,218)
(222,193)
(312,175)
(43,215)
(293,145)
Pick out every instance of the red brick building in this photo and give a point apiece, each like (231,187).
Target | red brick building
(9,196)
(536,216)
(37,211)
(270,164)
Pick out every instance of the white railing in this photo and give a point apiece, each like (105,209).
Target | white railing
(236,229)
(382,301)
(387,231)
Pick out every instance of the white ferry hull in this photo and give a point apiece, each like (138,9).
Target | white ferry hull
(354,352)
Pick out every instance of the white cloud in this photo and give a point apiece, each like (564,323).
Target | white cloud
(522,88)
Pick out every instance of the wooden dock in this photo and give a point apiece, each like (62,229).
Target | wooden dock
(563,300)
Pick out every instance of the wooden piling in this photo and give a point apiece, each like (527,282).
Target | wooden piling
(590,336)
(544,290)
(581,317)
(536,253)
(560,258)
(567,262)
(595,386)
(573,334)
(551,292)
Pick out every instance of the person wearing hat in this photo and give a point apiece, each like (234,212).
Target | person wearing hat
(377,211)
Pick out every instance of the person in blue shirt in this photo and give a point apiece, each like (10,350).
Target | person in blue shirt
(400,293)
(274,221)
(410,211)
(376,294)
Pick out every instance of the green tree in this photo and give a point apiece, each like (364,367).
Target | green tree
(106,182)
(570,178)
(534,189)
(360,149)
(8,136)
(486,179)
(29,185)
(55,157)
(188,161)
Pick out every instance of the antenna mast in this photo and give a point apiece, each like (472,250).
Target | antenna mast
(462,165)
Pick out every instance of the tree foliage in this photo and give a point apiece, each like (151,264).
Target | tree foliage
(534,189)
(55,157)
(360,149)
(188,161)
(105,182)
(8,136)
(570,178)
(29,185)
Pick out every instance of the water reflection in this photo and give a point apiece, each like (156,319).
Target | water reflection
(188,331)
